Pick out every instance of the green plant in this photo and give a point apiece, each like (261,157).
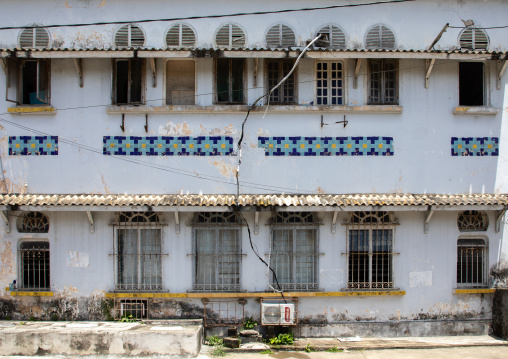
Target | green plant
(283,339)
(32,318)
(309,349)
(215,340)
(128,318)
(7,317)
(334,350)
(107,306)
(218,351)
(249,323)
(55,317)
(268,351)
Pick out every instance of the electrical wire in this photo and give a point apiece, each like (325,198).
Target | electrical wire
(198,17)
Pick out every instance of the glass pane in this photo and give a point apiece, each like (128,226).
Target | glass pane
(150,258)
(306,258)
(223,80)
(128,256)
(205,256)
(237,80)
(136,80)
(282,255)
(180,82)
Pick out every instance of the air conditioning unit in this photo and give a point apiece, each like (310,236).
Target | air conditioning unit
(277,313)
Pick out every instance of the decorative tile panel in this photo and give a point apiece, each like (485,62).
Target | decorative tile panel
(168,146)
(475,146)
(33,145)
(327,146)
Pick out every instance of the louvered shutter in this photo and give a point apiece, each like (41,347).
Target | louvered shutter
(129,35)
(36,37)
(280,36)
(336,37)
(230,35)
(474,39)
(180,35)
(380,37)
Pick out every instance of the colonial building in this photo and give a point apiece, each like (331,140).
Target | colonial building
(144,172)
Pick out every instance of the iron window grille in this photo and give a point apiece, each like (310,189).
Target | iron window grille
(294,251)
(217,251)
(131,308)
(380,37)
(230,80)
(276,70)
(383,82)
(472,221)
(138,251)
(332,37)
(129,36)
(128,81)
(370,250)
(36,37)
(180,35)
(473,39)
(230,36)
(280,36)
(471,263)
(329,83)
(33,222)
(34,265)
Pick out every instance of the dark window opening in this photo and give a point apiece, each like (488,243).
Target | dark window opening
(471,84)
(129,81)
(34,82)
(277,70)
(34,265)
(383,82)
(230,80)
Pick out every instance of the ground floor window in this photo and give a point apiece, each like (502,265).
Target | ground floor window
(35,269)
(471,262)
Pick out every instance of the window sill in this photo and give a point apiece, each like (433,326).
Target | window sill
(257,294)
(386,109)
(475,110)
(475,291)
(17,293)
(32,110)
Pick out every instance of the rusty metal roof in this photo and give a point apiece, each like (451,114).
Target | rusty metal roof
(262,200)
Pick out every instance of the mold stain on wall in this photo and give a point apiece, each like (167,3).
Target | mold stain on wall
(7,264)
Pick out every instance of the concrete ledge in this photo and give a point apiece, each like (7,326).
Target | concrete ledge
(258,294)
(32,110)
(475,110)
(92,338)
(31,294)
(475,291)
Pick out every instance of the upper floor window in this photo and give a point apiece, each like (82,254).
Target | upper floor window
(37,37)
(138,251)
(230,80)
(332,37)
(276,70)
(34,265)
(33,222)
(229,36)
(329,83)
(370,250)
(280,36)
(383,82)
(294,251)
(180,82)
(180,35)
(128,81)
(472,221)
(380,37)
(471,84)
(129,36)
(28,81)
(473,39)
(218,251)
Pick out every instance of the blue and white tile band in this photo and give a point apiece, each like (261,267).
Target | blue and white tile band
(33,145)
(327,146)
(475,146)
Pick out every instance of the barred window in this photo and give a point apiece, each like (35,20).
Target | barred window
(217,251)
(276,71)
(294,251)
(138,252)
(370,250)
(329,83)
(33,222)
(34,265)
(470,221)
(471,263)
(383,82)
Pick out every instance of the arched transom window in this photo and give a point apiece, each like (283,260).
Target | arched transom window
(469,221)
(33,222)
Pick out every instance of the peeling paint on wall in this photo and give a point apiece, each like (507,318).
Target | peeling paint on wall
(420,279)
(77,259)
(227,169)
(175,129)
(90,40)
(7,267)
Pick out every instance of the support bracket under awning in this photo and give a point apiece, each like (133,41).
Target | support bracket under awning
(357,71)
(154,71)
(79,68)
(430,212)
(334,221)
(5,216)
(91,221)
(256,222)
(177,222)
(499,217)
(501,68)
(429,65)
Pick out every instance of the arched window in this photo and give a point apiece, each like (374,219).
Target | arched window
(180,35)
(230,36)
(37,37)
(129,36)
(332,37)
(380,37)
(470,221)
(218,251)
(33,222)
(280,36)
(473,39)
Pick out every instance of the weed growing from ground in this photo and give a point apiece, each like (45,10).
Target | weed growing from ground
(283,339)
(334,350)
(268,351)
(218,351)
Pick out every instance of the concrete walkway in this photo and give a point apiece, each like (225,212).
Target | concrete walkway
(165,337)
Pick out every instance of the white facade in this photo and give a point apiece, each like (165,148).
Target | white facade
(419,128)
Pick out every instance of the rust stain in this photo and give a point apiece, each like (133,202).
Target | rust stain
(228,130)
(175,129)
(106,190)
(226,169)
(7,261)
(262,132)
(320,190)
(93,39)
